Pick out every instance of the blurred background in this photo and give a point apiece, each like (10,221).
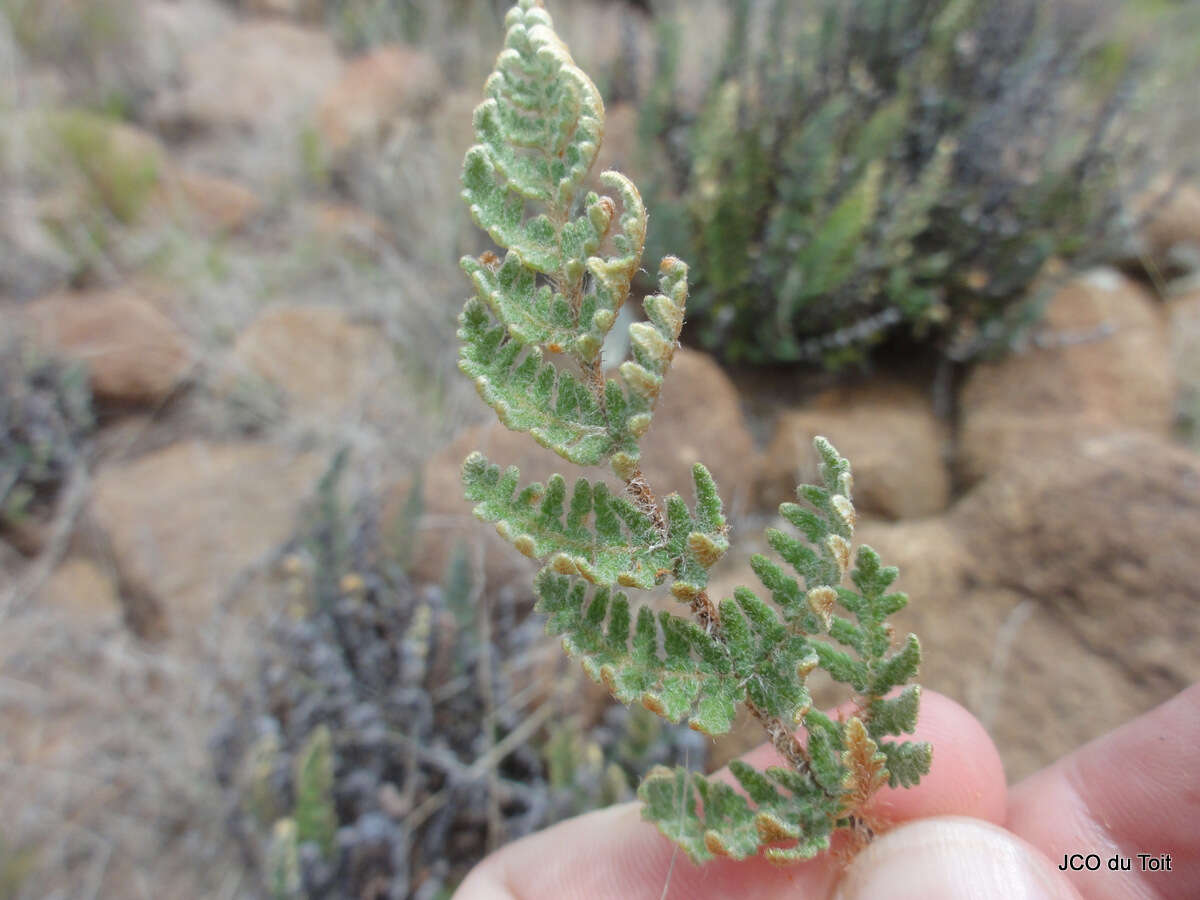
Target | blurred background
(252,642)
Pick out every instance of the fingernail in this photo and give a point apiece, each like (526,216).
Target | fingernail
(955,858)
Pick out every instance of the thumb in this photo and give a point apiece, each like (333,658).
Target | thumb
(952,857)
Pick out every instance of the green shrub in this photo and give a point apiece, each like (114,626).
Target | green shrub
(99,175)
(117,168)
(860,170)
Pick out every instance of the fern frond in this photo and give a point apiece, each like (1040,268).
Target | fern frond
(691,675)
(553,298)
(565,276)
(709,818)
(531,394)
(603,538)
(821,560)
(694,672)
(654,342)
(543,121)
(538,134)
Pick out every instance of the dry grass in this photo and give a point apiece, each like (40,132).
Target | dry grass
(105,776)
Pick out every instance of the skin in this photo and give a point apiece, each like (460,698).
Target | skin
(1136,790)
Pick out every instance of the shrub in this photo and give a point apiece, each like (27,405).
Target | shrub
(94,45)
(103,175)
(45,417)
(395,734)
(860,170)
(532,340)
(117,169)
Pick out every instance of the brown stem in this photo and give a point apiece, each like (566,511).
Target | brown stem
(644,500)
(782,738)
(785,742)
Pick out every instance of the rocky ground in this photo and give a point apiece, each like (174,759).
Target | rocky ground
(255,281)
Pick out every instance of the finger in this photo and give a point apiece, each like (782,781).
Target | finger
(1133,791)
(614,854)
(951,857)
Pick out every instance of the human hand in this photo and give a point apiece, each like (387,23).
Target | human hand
(960,833)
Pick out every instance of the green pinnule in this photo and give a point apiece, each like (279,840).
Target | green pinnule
(531,341)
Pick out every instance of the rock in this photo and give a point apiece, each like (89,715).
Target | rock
(81,589)
(244,100)
(1034,683)
(217,205)
(1170,237)
(1102,536)
(1091,530)
(303,10)
(1042,690)
(349,227)
(698,419)
(890,434)
(1106,364)
(183,524)
(251,77)
(135,355)
(331,368)
(387,83)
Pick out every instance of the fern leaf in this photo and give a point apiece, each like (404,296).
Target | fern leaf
(563,279)
(602,538)
(694,672)
(666,663)
(820,557)
(556,293)
(709,818)
(534,314)
(530,394)
(756,656)
(654,342)
(615,550)
(542,123)
(538,133)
